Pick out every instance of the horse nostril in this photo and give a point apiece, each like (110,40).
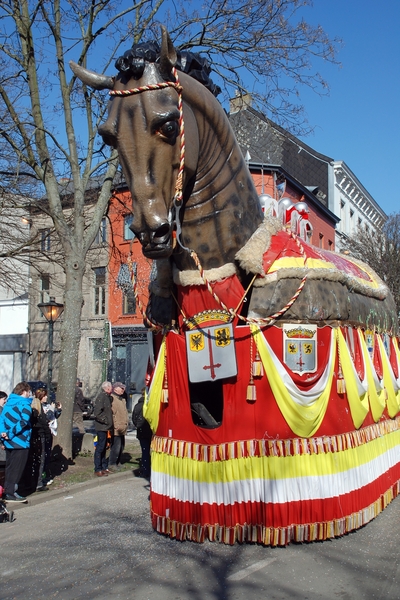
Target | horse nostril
(162,234)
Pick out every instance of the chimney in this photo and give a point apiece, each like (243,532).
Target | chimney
(239,102)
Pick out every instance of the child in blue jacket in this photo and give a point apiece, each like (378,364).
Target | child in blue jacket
(15,436)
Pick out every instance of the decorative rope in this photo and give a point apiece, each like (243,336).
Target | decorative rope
(255,321)
(146,88)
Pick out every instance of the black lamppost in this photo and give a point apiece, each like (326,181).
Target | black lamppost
(51,311)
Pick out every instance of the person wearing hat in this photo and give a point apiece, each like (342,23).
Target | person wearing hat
(120,424)
(103,423)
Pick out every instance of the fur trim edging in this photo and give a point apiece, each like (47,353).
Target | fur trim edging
(250,257)
(353,284)
(187,278)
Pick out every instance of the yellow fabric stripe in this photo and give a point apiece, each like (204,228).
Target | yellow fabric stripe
(304,421)
(358,405)
(376,401)
(151,407)
(272,467)
(393,399)
(288,262)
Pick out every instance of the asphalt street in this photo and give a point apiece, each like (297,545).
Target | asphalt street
(95,541)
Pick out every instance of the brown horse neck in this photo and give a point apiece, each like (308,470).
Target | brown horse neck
(221,209)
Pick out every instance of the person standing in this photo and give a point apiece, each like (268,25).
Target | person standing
(103,423)
(3,400)
(40,440)
(120,424)
(79,407)
(15,434)
(144,435)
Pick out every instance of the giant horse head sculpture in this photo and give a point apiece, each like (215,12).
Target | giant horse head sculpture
(179,156)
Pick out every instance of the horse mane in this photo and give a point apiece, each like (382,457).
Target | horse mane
(133,61)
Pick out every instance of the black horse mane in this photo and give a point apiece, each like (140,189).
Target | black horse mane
(133,63)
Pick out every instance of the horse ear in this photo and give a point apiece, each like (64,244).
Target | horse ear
(168,55)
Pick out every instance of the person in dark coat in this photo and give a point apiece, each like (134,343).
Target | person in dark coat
(41,440)
(103,423)
(79,407)
(144,435)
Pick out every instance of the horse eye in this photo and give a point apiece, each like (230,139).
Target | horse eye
(169,129)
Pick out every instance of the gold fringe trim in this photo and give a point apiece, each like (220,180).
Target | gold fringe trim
(271,536)
(283,448)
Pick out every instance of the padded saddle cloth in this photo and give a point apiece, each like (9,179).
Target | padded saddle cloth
(337,288)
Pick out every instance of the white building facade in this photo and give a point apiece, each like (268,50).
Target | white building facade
(352,203)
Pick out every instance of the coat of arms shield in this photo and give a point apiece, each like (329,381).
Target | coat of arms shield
(211,353)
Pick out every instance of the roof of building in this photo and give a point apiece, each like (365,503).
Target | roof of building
(268,143)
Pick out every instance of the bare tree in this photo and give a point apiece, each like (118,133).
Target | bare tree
(381,250)
(48,121)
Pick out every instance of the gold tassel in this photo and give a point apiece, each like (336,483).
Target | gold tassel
(258,367)
(164,395)
(341,385)
(251,395)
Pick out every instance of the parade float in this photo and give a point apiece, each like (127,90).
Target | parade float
(275,392)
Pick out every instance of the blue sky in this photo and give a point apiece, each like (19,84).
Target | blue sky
(359,122)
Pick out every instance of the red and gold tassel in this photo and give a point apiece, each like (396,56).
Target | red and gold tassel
(340,382)
(251,395)
(164,393)
(258,367)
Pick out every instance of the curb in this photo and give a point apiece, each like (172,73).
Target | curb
(41,497)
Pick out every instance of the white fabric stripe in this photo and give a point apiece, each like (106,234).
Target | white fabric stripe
(276,491)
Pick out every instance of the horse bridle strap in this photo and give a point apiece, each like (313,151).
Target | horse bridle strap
(159,86)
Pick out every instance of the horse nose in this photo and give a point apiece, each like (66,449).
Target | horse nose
(162,234)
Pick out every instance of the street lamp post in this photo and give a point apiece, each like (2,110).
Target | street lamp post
(51,311)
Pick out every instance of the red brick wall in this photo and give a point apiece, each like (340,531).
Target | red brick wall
(323,229)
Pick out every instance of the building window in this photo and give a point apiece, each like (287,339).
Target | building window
(99,291)
(330,245)
(101,236)
(44,295)
(128,233)
(129,304)
(124,282)
(321,240)
(351,221)
(44,240)
(97,348)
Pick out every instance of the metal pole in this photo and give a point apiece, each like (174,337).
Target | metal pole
(50,363)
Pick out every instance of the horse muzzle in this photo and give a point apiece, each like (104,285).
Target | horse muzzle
(157,244)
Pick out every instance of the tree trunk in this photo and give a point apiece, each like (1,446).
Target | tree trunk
(70,338)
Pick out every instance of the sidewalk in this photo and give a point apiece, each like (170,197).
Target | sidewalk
(69,489)
(82,474)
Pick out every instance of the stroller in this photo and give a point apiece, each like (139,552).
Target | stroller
(5,515)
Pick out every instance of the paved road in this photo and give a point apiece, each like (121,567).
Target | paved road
(96,542)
